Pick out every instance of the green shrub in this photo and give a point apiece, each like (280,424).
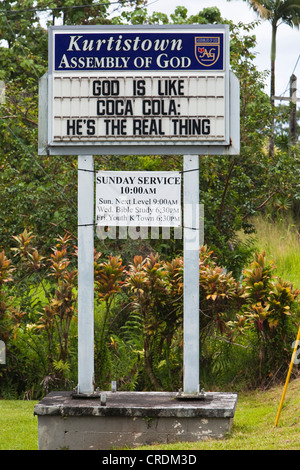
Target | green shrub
(246,326)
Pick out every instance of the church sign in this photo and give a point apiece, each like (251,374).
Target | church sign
(138,86)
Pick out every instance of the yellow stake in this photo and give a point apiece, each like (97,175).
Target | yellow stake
(288,377)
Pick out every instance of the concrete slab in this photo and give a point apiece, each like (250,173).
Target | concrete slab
(131,419)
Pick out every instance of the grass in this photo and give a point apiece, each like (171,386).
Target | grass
(280,240)
(18,425)
(253,426)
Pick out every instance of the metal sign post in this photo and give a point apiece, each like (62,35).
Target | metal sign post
(191,276)
(85,274)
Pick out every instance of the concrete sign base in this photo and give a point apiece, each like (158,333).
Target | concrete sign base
(131,419)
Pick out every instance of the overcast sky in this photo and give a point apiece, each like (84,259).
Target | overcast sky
(288,39)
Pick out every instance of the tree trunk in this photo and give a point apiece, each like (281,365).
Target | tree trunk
(221,210)
(148,364)
(272,87)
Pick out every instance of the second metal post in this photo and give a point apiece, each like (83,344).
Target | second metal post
(191,275)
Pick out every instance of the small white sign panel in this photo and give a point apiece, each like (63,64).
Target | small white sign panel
(138,199)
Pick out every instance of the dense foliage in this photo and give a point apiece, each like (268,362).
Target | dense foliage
(138,339)
(138,317)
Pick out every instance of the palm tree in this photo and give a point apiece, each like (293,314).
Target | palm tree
(276,12)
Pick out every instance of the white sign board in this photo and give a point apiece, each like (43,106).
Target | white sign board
(138,198)
(169,87)
(127,109)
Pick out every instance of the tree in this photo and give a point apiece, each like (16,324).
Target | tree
(232,189)
(180,16)
(276,12)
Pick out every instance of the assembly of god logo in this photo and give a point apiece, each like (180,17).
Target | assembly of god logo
(207,50)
